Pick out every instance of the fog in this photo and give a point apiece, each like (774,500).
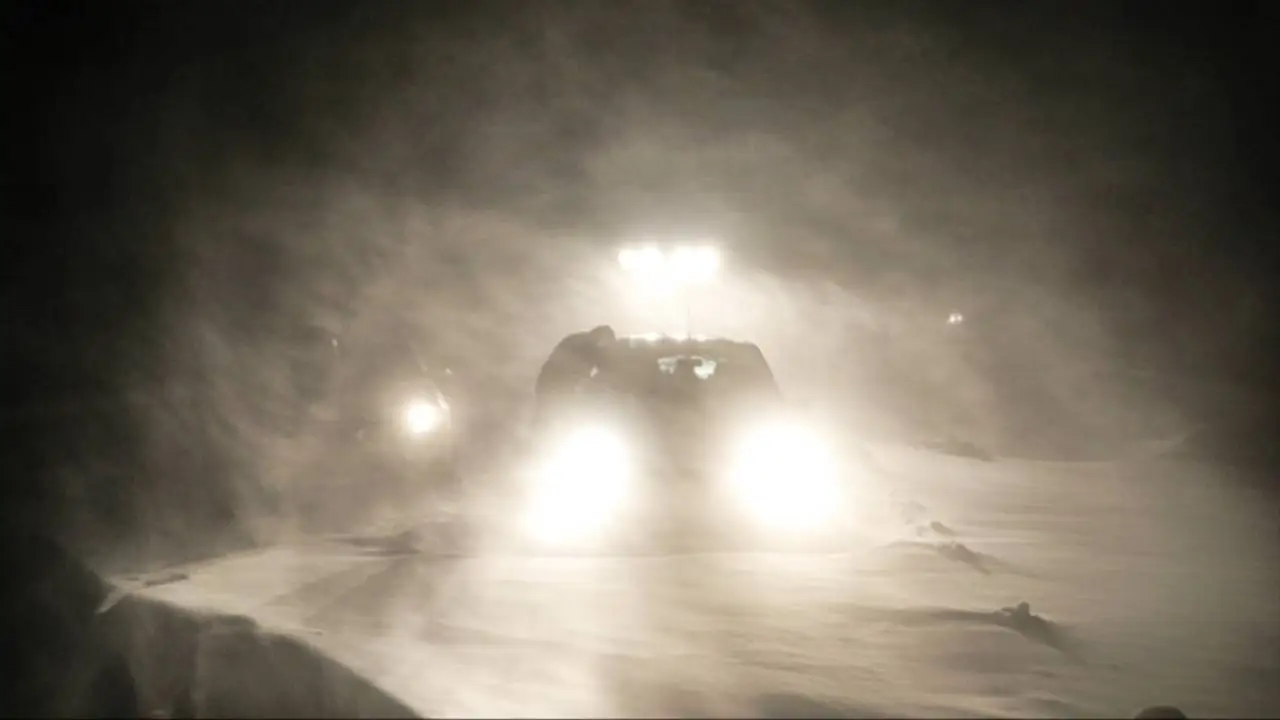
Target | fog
(460,183)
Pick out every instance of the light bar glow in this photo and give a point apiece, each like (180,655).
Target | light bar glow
(681,266)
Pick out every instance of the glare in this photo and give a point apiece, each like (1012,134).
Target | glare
(955,318)
(786,478)
(580,486)
(422,417)
(689,265)
(657,271)
(641,259)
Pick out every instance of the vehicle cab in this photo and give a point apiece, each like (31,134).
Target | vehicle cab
(669,436)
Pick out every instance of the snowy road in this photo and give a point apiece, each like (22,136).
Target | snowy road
(1150,583)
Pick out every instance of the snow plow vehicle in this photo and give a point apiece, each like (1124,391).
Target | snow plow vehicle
(679,444)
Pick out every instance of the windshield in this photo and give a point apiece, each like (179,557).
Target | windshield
(718,374)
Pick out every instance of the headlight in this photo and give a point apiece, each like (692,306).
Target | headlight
(581,484)
(786,477)
(421,417)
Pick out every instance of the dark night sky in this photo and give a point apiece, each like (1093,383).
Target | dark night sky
(1036,103)
(1112,155)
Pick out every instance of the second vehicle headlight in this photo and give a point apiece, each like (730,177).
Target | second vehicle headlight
(785,476)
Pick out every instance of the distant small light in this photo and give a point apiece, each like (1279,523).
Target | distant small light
(955,318)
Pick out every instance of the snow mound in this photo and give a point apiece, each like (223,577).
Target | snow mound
(91,650)
(1223,446)
(1160,712)
(952,445)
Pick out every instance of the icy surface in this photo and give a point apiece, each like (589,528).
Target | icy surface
(986,589)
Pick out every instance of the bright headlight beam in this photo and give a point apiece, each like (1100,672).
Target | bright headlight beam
(580,485)
(785,477)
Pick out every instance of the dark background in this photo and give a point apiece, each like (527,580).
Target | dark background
(188,182)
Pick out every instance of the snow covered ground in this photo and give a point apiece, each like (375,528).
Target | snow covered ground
(1148,582)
